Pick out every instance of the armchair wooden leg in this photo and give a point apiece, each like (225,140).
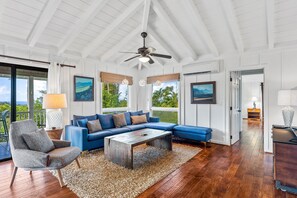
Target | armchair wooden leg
(30,172)
(60,178)
(77,162)
(15,170)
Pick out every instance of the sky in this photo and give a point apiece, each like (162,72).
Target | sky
(167,84)
(22,86)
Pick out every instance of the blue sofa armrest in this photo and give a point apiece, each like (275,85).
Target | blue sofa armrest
(154,119)
(78,136)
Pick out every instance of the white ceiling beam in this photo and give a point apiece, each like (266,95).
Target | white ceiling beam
(270,23)
(132,9)
(191,8)
(156,38)
(164,16)
(120,45)
(81,24)
(232,23)
(146,14)
(43,20)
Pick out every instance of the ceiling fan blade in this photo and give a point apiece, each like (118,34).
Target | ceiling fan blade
(131,58)
(151,61)
(161,55)
(150,50)
(129,52)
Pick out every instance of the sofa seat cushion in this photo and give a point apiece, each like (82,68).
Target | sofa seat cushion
(192,129)
(160,125)
(135,127)
(61,157)
(119,130)
(99,135)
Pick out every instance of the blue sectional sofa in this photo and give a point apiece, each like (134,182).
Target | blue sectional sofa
(80,137)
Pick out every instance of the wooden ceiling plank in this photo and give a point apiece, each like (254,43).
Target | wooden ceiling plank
(120,45)
(132,9)
(84,20)
(202,29)
(270,23)
(146,14)
(232,21)
(161,13)
(155,37)
(42,22)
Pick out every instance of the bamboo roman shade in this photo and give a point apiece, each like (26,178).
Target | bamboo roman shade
(163,78)
(114,78)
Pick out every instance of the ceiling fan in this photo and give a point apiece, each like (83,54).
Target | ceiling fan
(145,53)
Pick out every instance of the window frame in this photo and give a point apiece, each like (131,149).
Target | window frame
(166,109)
(115,109)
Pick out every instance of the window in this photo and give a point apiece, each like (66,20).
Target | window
(114,97)
(165,101)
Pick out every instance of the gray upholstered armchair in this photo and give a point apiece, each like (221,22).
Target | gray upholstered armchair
(60,155)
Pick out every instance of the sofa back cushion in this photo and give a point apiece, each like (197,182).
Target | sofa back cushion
(79,117)
(136,113)
(128,118)
(94,126)
(119,120)
(138,119)
(82,122)
(106,121)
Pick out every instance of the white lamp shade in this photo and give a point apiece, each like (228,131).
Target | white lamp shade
(287,97)
(54,101)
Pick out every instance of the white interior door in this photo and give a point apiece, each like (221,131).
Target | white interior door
(235,106)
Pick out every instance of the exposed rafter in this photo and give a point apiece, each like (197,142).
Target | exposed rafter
(155,37)
(45,17)
(233,23)
(202,29)
(132,9)
(84,20)
(146,14)
(116,48)
(270,22)
(162,14)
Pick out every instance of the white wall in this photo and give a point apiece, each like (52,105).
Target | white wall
(251,88)
(279,73)
(84,67)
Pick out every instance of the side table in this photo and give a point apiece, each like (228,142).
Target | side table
(54,133)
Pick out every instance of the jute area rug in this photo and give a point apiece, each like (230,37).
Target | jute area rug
(99,177)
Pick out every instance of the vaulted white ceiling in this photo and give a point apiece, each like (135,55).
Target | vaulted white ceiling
(187,29)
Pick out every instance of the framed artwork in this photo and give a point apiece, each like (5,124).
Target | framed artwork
(203,93)
(83,88)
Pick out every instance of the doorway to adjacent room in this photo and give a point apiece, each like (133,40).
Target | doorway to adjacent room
(246,100)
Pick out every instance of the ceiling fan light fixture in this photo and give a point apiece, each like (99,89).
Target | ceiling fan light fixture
(144,59)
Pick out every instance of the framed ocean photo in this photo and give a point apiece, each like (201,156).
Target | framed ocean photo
(203,93)
(83,88)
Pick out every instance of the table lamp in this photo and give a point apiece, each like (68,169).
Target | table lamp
(54,103)
(287,98)
(254,99)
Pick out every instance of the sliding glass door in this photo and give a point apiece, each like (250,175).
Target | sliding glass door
(21,93)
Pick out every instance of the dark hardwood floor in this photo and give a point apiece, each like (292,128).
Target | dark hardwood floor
(242,170)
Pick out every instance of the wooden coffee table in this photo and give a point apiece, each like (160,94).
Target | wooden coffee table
(119,148)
